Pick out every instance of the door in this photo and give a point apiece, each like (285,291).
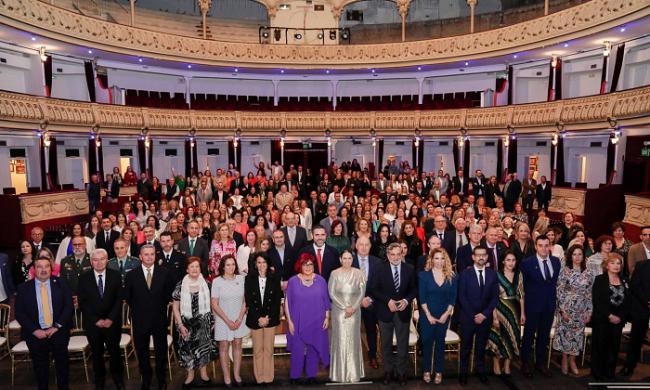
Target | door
(76,172)
(127,162)
(18,172)
(311,158)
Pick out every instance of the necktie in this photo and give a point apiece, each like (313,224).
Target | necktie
(441,236)
(396,278)
(45,306)
(167,259)
(121,266)
(496,257)
(481,281)
(364,265)
(100,287)
(192,247)
(108,237)
(320,260)
(547,271)
(149,278)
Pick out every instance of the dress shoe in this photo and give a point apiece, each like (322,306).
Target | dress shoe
(402,379)
(438,379)
(373,363)
(483,378)
(228,385)
(311,381)
(206,382)
(145,386)
(625,372)
(526,371)
(544,371)
(387,378)
(462,379)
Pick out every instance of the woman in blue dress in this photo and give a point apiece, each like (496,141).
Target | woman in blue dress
(437,296)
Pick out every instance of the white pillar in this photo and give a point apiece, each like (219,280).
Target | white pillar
(420,90)
(335,84)
(282,152)
(276,98)
(188,80)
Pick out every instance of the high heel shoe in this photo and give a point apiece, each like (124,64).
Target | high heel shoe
(438,378)
(426,377)
(575,371)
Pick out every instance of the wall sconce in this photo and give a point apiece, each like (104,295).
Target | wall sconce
(282,142)
(554,139)
(374,142)
(506,141)
(417,142)
(461,141)
(147,142)
(615,137)
(235,142)
(98,141)
(554,61)
(41,53)
(46,140)
(607,49)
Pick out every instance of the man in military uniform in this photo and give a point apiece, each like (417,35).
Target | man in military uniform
(77,263)
(122,261)
(170,258)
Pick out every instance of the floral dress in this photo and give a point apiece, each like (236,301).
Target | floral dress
(218,250)
(574,299)
(199,348)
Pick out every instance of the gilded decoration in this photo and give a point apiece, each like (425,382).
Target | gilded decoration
(61,24)
(567,199)
(35,208)
(19,111)
(637,210)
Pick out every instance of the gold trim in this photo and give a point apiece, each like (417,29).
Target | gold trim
(67,26)
(631,107)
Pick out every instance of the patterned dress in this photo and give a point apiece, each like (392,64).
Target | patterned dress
(218,250)
(574,299)
(504,342)
(199,348)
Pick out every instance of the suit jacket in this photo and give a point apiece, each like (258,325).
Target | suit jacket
(529,187)
(130,264)
(300,240)
(325,222)
(543,194)
(176,264)
(374,266)
(261,306)
(464,257)
(6,275)
(634,255)
(100,242)
(640,290)
(492,262)
(95,308)
(449,243)
(381,185)
(27,307)
(383,290)
(220,197)
(330,260)
(478,188)
(284,270)
(201,249)
(474,301)
(602,307)
(156,245)
(540,296)
(149,307)
(458,188)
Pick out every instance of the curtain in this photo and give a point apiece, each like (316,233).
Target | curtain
(559,175)
(231,153)
(455,151)
(414,155)
(500,87)
(421,157)
(102,80)
(380,155)
(553,173)
(53,166)
(90,80)
(150,158)
(510,78)
(558,80)
(42,164)
(238,157)
(550,94)
(618,65)
(276,152)
(92,158)
(195,158)
(466,158)
(611,151)
(188,159)
(142,157)
(512,156)
(603,76)
(100,158)
(499,160)
(47,69)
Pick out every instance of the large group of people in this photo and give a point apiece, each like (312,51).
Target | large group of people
(330,258)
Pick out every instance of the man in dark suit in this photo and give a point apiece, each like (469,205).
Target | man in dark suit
(193,245)
(639,314)
(512,191)
(106,237)
(393,293)
(494,246)
(7,288)
(148,291)
(478,184)
(464,253)
(438,227)
(235,183)
(44,311)
(370,266)
(460,184)
(326,223)
(325,256)
(150,238)
(529,188)
(282,257)
(220,195)
(170,258)
(543,193)
(37,242)
(456,238)
(478,294)
(143,186)
(100,301)
(540,273)
(94,191)
(295,236)
(432,243)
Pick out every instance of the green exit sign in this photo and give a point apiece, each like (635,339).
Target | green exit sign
(645,151)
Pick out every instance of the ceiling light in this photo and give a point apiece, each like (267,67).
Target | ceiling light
(90,51)
(419,68)
(514,56)
(284,6)
(236,70)
(189,66)
(566,45)
(622,29)
(345,35)
(140,59)
(298,36)
(320,35)
(333,35)
(327,71)
(466,63)
(281,70)
(372,70)
(33,39)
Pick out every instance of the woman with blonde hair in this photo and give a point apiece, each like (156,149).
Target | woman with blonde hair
(222,245)
(541,226)
(437,289)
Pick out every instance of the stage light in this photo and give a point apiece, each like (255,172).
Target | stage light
(333,35)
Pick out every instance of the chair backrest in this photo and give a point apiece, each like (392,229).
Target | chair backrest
(77,321)
(126,317)
(5,313)
(170,316)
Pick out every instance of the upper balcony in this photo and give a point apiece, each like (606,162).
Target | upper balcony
(343,34)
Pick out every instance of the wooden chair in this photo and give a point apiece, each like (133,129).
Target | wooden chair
(79,347)
(5,311)
(126,341)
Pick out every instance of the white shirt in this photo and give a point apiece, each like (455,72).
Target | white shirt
(281,253)
(103,275)
(476,269)
(145,270)
(262,282)
(168,255)
(540,261)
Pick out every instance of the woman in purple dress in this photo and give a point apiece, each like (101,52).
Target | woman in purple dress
(307,308)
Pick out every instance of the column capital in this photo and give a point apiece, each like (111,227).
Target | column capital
(472,3)
(204,5)
(403,7)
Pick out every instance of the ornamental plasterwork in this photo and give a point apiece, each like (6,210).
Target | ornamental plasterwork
(574,22)
(637,210)
(51,206)
(567,199)
(29,112)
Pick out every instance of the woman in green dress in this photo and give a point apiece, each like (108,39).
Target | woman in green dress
(337,239)
(505,334)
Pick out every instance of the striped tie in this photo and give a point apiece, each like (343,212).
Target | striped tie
(395,278)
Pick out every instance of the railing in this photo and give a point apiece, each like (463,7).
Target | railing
(631,107)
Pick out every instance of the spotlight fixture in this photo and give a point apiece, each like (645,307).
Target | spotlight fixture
(297,36)
(236,70)
(345,34)
(607,49)
(33,39)
(265,34)
(41,53)
(333,35)
(321,35)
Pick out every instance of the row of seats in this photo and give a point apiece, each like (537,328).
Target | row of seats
(209,101)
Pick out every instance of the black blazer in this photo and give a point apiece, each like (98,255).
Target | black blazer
(330,260)
(464,257)
(374,266)
(458,188)
(95,308)
(283,270)
(449,243)
(478,189)
(176,265)
(492,262)
(383,290)
(299,242)
(100,242)
(27,306)
(149,307)
(602,308)
(640,290)
(474,301)
(259,306)
(201,250)
(156,245)
(543,195)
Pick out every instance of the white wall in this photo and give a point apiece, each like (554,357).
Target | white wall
(111,153)
(69,80)
(214,162)
(22,73)
(460,83)
(377,87)
(436,156)
(129,79)
(73,170)
(251,155)
(527,147)
(531,83)
(482,157)
(346,150)
(636,68)
(581,76)
(575,148)
(162,165)
(32,159)
(401,152)
(305,88)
